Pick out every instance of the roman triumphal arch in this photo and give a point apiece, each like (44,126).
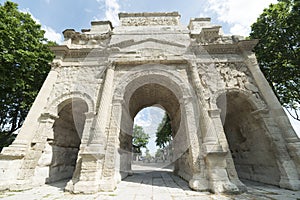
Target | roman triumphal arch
(227,123)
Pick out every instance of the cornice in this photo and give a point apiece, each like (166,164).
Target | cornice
(234,48)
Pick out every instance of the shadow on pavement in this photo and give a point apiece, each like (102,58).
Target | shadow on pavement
(156,174)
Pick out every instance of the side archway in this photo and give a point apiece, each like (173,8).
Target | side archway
(249,141)
(67,134)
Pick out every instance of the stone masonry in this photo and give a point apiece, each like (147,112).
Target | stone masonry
(227,124)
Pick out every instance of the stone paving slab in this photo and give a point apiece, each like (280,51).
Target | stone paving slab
(153,185)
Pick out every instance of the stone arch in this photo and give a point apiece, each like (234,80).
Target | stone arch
(155,79)
(253,99)
(67,134)
(156,72)
(64,99)
(254,159)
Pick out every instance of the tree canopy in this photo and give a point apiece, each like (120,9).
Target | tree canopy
(139,138)
(24,65)
(278,54)
(164,132)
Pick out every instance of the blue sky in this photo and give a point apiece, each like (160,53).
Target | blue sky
(149,118)
(235,16)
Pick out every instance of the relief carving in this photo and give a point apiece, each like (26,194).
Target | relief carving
(218,76)
(148,21)
(84,39)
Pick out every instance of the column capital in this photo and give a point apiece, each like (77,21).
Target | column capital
(111,65)
(214,113)
(46,117)
(90,115)
(118,100)
(259,113)
(185,99)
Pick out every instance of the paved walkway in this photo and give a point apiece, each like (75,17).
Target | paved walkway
(147,184)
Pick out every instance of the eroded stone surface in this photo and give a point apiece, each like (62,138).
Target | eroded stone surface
(227,123)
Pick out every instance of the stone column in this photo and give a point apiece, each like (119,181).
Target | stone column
(19,147)
(89,118)
(210,137)
(21,175)
(44,136)
(101,120)
(289,177)
(91,156)
(276,112)
(192,131)
(111,169)
(275,109)
(35,170)
(214,153)
(83,172)
(230,167)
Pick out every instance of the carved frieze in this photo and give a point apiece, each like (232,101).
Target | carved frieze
(84,38)
(149,19)
(220,76)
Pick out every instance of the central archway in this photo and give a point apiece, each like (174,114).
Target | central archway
(156,89)
(156,94)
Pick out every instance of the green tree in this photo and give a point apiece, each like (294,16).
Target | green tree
(159,155)
(24,65)
(148,156)
(278,54)
(164,132)
(139,138)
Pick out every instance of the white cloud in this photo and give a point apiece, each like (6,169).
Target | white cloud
(27,10)
(112,9)
(149,118)
(239,29)
(50,33)
(88,10)
(239,14)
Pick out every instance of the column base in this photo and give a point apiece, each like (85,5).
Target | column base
(107,186)
(18,185)
(15,151)
(291,184)
(219,181)
(85,187)
(199,183)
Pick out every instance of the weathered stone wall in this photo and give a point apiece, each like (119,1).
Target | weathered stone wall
(254,158)
(226,121)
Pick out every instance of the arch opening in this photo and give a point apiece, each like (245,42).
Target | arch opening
(68,129)
(147,122)
(248,140)
(155,94)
